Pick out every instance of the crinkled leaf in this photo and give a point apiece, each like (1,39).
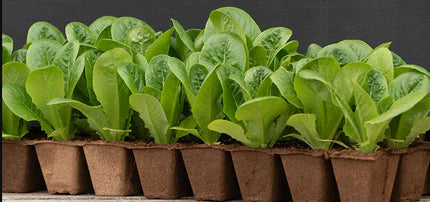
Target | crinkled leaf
(44,30)
(76,31)
(42,53)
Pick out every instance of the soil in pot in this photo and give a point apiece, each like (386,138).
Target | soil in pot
(260,175)
(364,177)
(63,167)
(112,169)
(211,173)
(20,168)
(309,175)
(162,173)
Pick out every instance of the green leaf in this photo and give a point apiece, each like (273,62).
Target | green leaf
(121,27)
(140,38)
(375,84)
(5,56)
(14,72)
(133,76)
(273,40)
(19,102)
(171,99)
(65,59)
(197,75)
(151,112)
(157,72)
(109,44)
(284,80)
(19,55)
(183,36)
(232,94)
(382,60)
(248,25)
(152,91)
(44,85)
(42,53)
(111,91)
(222,22)
(305,124)
(189,122)
(255,76)
(76,31)
(100,24)
(408,68)
(360,48)
(226,49)
(44,30)
(409,82)
(397,60)
(259,114)
(410,124)
(178,68)
(347,75)
(233,130)
(257,56)
(207,106)
(343,53)
(161,45)
(7,42)
(313,50)
(96,117)
(90,60)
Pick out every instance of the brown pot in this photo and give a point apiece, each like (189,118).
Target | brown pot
(427,184)
(20,168)
(309,175)
(364,177)
(63,167)
(260,175)
(211,173)
(411,173)
(162,172)
(112,169)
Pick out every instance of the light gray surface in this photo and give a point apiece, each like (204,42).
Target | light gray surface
(44,196)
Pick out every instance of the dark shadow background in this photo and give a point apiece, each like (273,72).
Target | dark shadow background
(404,22)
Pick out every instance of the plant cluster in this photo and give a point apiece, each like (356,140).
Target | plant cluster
(119,76)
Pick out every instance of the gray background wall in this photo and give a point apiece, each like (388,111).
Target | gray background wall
(404,22)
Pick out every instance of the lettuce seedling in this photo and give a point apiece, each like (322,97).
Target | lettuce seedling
(55,71)
(160,102)
(111,119)
(361,91)
(319,124)
(406,127)
(264,121)
(13,127)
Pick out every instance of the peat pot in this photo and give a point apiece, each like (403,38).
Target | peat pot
(364,177)
(211,172)
(260,175)
(20,168)
(309,175)
(63,166)
(112,169)
(161,171)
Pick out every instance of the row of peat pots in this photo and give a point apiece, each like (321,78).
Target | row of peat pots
(214,172)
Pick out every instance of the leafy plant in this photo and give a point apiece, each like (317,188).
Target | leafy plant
(264,121)
(111,119)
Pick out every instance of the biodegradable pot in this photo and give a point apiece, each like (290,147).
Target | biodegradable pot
(309,175)
(364,177)
(162,172)
(211,173)
(411,174)
(20,168)
(112,169)
(63,167)
(260,175)
(427,183)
